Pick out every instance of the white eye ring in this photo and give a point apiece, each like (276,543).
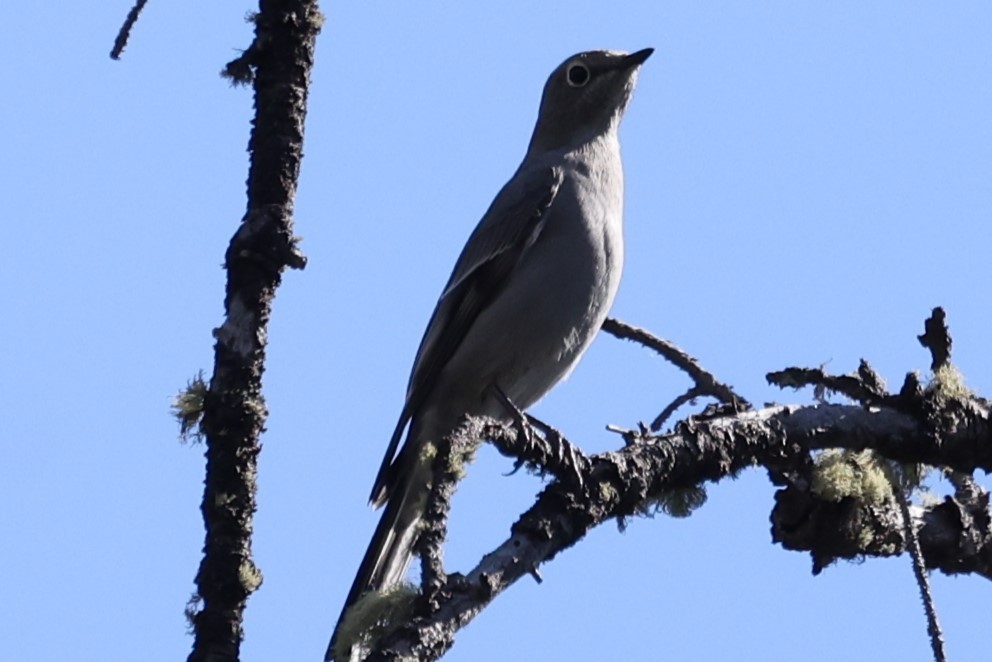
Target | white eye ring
(577,75)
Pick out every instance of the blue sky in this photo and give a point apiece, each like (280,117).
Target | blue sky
(804,183)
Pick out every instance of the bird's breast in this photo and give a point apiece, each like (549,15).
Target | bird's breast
(574,269)
(533,333)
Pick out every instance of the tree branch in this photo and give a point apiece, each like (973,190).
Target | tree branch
(120,43)
(913,547)
(705,382)
(630,481)
(234,410)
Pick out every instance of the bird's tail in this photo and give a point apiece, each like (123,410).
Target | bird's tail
(391,550)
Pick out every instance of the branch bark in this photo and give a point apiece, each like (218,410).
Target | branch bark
(628,482)
(234,413)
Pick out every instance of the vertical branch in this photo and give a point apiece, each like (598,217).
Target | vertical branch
(125,32)
(922,580)
(234,413)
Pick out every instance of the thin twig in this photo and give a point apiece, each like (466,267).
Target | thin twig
(125,32)
(688,396)
(863,387)
(922,578)
(705,381)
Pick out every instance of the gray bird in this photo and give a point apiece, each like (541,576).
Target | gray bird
(526,297)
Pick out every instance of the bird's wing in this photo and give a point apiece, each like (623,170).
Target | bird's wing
(510,226)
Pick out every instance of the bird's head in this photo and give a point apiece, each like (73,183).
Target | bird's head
(585,97)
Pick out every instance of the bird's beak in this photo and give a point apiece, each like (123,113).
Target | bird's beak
(636,59)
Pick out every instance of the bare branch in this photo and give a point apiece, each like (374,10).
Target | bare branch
(667,412)
(706,383)
(261,249)
(865,387)
(626,482)
(125,32)
(920,572)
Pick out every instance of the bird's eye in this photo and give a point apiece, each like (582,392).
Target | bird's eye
(577,75)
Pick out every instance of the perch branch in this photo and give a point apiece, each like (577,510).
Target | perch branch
(627,482)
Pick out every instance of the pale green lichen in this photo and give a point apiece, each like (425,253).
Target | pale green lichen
(457,461)
(859,475)
(460,458)
(428,451)
(606,492)
(374,616)
(948,384)
(865,538)
(187,408)
(249,576)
